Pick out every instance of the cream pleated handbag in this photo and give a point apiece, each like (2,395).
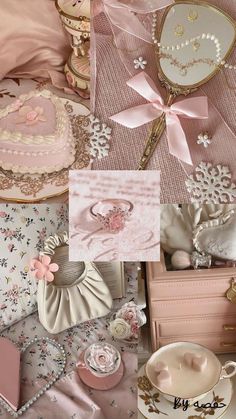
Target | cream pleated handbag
(71,298)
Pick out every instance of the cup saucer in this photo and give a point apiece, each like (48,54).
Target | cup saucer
(151,402)
(99,383)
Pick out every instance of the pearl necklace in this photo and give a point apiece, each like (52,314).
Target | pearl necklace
(47,386)
(190,41)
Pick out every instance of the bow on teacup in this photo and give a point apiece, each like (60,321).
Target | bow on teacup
(196,108)
(121,14)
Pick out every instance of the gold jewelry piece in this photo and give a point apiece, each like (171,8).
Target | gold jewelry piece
(231,293)
(179,30)
(193,15)
(196,46)
(183,68)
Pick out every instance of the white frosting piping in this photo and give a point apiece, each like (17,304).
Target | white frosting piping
(18,137)
(45,169)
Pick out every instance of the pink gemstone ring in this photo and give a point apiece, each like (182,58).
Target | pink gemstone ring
(118,212)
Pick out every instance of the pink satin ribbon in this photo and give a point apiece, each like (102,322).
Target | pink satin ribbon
(121,14)
(137,116)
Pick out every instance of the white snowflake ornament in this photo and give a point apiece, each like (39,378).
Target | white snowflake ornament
(204,138)
(140,63)
(100,135)
(211,184)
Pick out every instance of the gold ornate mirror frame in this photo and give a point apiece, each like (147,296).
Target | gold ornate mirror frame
(173,89)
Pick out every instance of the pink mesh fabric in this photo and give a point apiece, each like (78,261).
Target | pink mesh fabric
(113,96)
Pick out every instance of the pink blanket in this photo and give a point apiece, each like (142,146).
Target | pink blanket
(70,398)
(33,42)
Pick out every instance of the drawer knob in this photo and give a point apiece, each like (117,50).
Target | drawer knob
(231,293)
(228,344)
(229,328)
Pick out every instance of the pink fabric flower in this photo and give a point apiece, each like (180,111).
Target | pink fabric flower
(30,116)
(43,268)
(2,214)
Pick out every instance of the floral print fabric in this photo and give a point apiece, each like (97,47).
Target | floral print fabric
(23,229)
(40,361)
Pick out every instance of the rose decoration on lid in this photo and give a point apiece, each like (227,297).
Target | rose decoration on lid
(43,268)
(102,358)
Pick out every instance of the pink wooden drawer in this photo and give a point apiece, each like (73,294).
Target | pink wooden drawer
(215,343)
(196,326)
(190,288)
(193,307)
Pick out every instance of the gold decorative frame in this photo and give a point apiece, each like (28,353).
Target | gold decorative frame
(186,89)
(174,89)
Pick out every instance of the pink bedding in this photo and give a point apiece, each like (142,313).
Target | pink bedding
(33,42)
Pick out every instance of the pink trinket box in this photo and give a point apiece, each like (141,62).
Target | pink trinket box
(193,306)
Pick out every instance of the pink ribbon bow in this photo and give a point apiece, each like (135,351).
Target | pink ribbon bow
(121,14)
(196,108)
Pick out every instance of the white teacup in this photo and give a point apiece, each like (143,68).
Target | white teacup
(186,383)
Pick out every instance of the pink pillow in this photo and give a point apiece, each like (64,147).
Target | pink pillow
(33,42)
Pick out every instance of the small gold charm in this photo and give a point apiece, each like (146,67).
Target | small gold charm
(193,15)
(179,30)
(183,71)
(196,46)
(231,293)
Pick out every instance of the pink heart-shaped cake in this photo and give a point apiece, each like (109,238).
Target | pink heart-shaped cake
(9,373)
(36,134)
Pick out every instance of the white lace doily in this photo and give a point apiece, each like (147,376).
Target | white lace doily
(100,135)
(211,184)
